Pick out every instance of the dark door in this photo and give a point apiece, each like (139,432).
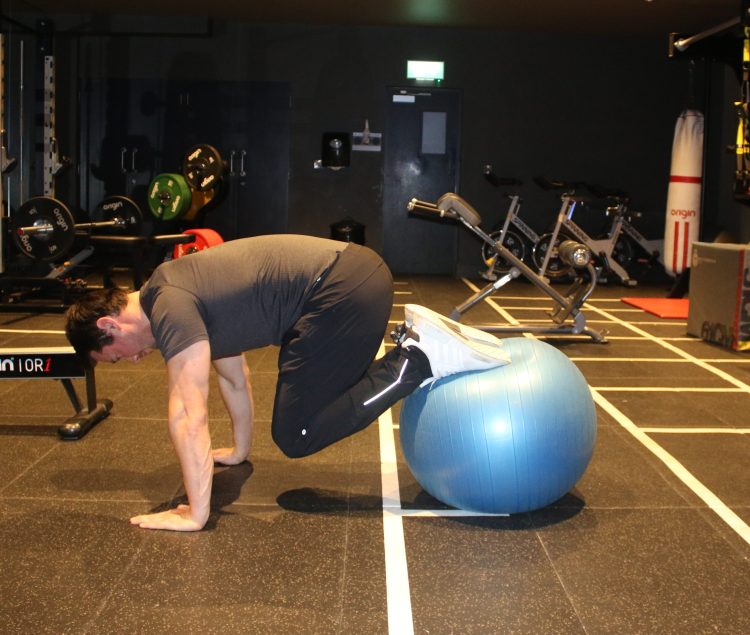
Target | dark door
(421,161)
(249,124)
(256,132)
(121,137)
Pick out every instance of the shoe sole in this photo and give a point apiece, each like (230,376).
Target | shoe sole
(484,346)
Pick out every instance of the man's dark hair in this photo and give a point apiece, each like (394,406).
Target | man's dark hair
(80,320)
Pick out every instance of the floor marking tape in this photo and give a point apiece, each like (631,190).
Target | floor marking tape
(700,490)
(664,430)
(32,331)
(532,298)
(396,568)
(665,339)
(507,316)
(664,389)
(677,351)
(706,495)
(446,513)
(542,308)
(660,360)
(546,320)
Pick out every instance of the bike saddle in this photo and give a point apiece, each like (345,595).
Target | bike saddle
(548,185)
(605,192)
(497,181)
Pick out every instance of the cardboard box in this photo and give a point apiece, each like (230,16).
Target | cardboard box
(720,294)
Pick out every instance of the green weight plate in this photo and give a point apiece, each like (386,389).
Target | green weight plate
(43,228)
(203,167)
(169,196)
(114,207)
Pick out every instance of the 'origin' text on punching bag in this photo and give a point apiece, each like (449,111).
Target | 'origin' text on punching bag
(684,194)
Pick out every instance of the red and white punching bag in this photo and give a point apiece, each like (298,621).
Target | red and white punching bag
(684,194)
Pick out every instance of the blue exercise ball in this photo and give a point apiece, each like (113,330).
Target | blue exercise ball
(505,440)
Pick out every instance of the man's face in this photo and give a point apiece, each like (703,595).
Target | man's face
(125,345)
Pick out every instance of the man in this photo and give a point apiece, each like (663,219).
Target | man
(325,303)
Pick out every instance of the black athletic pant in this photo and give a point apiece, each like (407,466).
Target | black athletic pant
(328,386)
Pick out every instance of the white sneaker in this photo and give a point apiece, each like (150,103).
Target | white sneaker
(451,347)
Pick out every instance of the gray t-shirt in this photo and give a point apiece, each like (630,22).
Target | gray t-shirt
(243,294)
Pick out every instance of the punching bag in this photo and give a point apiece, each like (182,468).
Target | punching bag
(684,193)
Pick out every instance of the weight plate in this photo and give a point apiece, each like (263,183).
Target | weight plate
(169,196)
(204,238)
(199,201)
(49,228)
(114,207)
(203,167)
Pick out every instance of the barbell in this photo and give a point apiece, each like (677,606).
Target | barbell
(43,228)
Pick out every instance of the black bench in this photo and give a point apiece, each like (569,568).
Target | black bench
(59,363)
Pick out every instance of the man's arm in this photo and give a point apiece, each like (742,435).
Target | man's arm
(234,384)
(188,373)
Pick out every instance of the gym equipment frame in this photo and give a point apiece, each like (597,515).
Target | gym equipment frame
(567,315)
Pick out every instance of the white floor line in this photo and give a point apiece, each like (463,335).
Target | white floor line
(446,513)
(665,339)
(586,338)
(520,307)
(664,389)
(708,497)
(500,296)
(660,360)
(678,351)
(400,619)
(506,316)
(725,360)
(624,310)
(396,569)
(604,300)
(654,360)
(546,321)
(663,430)
(32,331)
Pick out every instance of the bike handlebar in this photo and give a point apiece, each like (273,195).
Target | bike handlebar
(424,206)
(449,205)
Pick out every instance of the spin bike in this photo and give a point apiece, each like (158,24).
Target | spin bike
(545,255)
(519,240)
(566,314)
(628,240)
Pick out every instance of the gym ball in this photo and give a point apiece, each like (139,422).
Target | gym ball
(505,440)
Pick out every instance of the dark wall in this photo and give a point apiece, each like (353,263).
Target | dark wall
(599,109)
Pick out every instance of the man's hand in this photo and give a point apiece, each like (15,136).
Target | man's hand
(228,456)
(178,519)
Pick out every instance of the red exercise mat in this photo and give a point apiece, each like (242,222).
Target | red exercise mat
(662,307)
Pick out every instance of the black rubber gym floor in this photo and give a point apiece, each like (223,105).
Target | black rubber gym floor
(654,538)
